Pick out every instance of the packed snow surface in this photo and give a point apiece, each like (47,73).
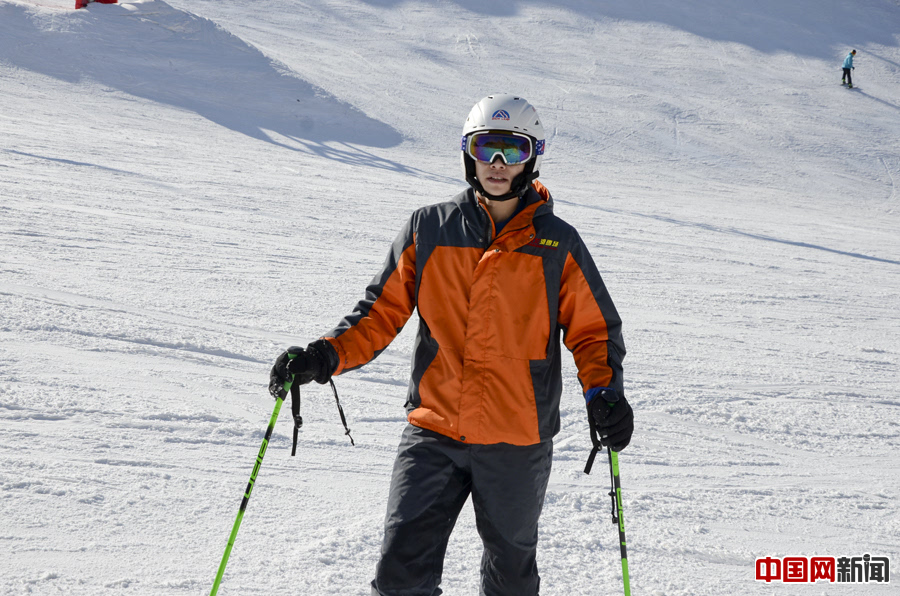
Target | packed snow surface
(187,187)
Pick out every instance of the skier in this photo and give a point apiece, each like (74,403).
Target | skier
(848,66)
(497,278)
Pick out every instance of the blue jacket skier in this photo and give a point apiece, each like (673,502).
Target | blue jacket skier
(848,66)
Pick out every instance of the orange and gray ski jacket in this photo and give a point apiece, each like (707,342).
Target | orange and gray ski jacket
(486,362)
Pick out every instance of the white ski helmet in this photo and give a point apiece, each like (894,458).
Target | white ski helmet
(511,113)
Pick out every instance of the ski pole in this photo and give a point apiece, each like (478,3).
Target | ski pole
(615,492)
(246,499)
(618,518)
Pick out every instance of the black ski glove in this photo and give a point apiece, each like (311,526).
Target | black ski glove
(314,363)
(613,417)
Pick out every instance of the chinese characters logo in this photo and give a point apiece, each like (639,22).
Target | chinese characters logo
(842,570)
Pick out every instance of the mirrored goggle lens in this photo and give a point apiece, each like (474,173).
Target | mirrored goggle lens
(512,149)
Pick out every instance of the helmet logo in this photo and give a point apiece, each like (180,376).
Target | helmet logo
(539,147)
(500,115)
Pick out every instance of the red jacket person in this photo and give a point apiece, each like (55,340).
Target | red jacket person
(498,279)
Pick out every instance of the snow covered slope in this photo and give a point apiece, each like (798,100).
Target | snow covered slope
(187,187)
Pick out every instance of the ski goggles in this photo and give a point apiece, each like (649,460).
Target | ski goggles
(513,148)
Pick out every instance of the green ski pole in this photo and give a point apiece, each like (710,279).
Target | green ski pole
(240,515)
(618,518)
(615,492)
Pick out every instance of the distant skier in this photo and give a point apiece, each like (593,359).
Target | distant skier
(497,280)
(848,66)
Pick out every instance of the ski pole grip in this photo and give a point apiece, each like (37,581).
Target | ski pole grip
(294,390)
(289,382)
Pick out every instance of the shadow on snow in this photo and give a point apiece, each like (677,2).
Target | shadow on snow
(154,51)
(733,231)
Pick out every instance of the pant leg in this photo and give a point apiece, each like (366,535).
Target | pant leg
(847,76)
(429,487)
(508,487)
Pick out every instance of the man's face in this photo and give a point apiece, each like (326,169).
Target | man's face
(497,177)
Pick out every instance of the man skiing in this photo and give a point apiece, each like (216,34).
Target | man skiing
(497,279)
(848,66)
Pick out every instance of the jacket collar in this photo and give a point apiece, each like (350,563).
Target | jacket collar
(538,202)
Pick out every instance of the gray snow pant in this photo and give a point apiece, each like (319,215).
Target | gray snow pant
(433,476)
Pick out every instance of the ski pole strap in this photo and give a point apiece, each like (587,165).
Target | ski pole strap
(295,410)
(341,411)
(595,439)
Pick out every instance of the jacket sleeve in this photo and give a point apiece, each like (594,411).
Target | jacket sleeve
(381,315)
(591,325)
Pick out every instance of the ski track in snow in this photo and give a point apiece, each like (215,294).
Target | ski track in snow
(188,187)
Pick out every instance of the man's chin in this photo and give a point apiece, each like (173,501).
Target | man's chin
(496,190)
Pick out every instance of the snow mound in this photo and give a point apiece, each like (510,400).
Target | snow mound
(152,50)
